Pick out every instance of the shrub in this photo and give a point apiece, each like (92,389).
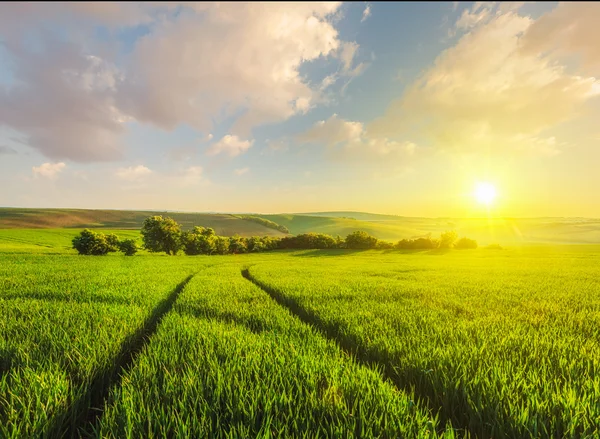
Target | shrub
(447,239)
(89,242)
(360,240)
(465,243)
(199,241)
(128,246)
(237,244)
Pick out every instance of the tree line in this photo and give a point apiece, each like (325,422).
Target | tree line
(165,235)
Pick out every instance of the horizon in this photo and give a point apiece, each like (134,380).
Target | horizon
(309,213)
(418,110)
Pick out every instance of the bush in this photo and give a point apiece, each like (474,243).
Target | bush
(199,241)
(423,243)
(128,246)
(89,242)
(384,245)
(222,245)
(447,239)
(237,244)
(360,240)
(465,243)
(308,241)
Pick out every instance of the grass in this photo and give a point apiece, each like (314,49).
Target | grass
(476,343)
(502,343)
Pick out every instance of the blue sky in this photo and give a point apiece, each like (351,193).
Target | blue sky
(215,108)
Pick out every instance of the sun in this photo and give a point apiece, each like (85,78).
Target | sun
(485,193)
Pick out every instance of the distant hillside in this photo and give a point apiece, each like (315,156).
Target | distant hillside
(497,230)
(224,224)
(389,227)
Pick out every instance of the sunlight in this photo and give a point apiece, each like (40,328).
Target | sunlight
(485,193)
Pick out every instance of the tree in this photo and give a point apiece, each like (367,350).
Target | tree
(464,243)
(360,240)
(447,239)
(199,241)
(161,235)
(89,242)
(222,245)
(128,247)
(237,244)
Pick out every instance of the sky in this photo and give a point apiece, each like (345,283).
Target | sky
(396,108)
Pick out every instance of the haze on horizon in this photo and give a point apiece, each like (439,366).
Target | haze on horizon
(399,108)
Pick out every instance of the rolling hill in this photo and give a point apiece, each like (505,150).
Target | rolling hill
(224,224)
(388,227)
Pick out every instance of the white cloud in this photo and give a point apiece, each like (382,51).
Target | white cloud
(48,170)
(568,29)
(366,12)
(474,99)
(200,64)
(255,51)
(241,171)
(193,175)
(230,145)
(352,137)
(333,131)
(277,145)
(133,173)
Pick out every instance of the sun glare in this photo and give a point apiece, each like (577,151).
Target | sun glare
(485,193)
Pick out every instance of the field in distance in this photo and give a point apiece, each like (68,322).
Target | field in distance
(504,231)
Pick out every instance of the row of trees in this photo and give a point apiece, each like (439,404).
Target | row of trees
(165,235)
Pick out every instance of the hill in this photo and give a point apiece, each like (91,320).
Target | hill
(388,227)
(484,230)
(224,224)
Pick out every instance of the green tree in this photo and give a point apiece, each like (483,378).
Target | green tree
(222,245)
(128,246)
(465,243)
(89,242)
(360,240)
(161,235)
(199,241)
(447,239)
(237,244)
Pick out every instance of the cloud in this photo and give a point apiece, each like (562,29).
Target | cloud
(241,171)
(133,173)
(277,144)
(231,58)
(366,12)
(48,170)
(63,102)
(193,175)
(230,145)
(224,61)
(479,13)
(7,150)
(570,28)
(353,139)
(500,101)
(333,131)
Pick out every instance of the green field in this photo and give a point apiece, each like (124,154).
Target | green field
(440,343)
(504,231)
